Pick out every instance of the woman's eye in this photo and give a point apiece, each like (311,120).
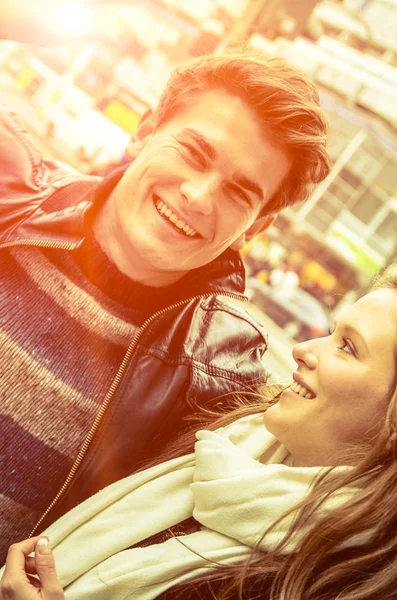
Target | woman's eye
(347,347)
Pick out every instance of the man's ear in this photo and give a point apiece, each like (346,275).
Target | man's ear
(260,224)
(142,134)
(146,125)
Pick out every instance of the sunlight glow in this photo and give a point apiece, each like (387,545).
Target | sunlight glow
(71,19)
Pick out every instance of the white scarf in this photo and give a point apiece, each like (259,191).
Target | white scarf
(222,484)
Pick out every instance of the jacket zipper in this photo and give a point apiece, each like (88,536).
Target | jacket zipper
(110,394)
(41,244)
(116,381)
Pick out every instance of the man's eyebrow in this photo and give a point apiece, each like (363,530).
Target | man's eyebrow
(350,330)
(250,185)
(202,142)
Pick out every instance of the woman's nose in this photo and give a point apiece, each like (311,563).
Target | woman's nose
(305,353)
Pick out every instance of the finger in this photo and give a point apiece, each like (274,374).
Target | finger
(35,582)
(15,581)
(45,567)
(30,565)
(15,563)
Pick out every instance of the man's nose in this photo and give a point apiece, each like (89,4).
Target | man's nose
(200,193)
(306,353)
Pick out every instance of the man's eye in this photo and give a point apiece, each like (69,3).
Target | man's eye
(239,193)
(195,154)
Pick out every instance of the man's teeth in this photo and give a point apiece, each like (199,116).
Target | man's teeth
(302,391)
(167,212)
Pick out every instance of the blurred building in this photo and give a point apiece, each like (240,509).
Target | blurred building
(350,222)
(93,97)
(285,18)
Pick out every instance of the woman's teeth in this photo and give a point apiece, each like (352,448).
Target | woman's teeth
(170,216)
(302,391)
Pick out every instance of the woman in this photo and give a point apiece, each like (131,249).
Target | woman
(301,509)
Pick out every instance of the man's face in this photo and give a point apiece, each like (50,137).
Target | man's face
(197,187)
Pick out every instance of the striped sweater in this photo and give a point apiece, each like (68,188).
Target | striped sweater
(66,319)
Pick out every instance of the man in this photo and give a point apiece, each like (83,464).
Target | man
(113,329)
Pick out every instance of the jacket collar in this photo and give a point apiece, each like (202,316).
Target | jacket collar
(224,273)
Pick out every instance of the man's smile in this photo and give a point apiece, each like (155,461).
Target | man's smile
(173,219)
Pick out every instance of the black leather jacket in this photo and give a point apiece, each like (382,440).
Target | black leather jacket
(182,357)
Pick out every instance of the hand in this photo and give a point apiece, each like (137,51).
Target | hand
(30,578)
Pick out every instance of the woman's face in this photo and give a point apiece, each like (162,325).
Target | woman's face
(347,380)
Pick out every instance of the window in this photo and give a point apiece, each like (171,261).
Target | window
(363,164)
(319,219)
(367,206)
(329,204)
(342,193)
(387,177)
(387,229)
(350,178)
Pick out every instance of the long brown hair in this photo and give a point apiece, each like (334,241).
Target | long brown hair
(327,565)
